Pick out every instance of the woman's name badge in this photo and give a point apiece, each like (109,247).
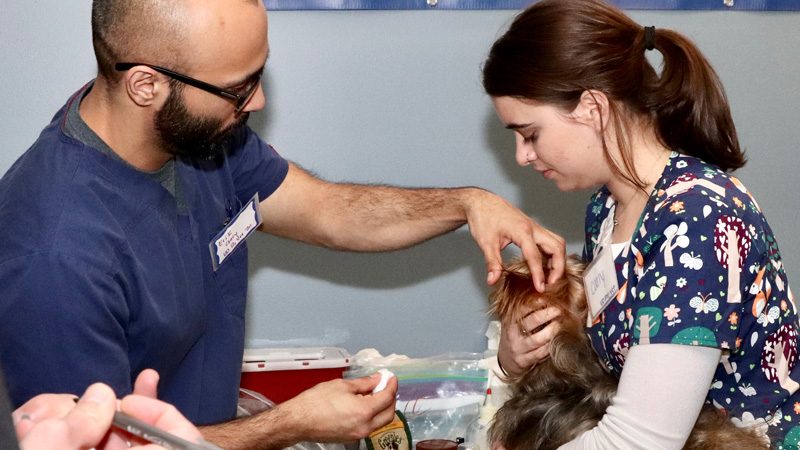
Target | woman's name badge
(235,232)
(600,282)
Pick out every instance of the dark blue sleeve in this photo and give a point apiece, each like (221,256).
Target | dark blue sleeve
(256,167)
(54,309)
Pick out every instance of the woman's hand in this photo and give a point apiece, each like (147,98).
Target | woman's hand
(526,342)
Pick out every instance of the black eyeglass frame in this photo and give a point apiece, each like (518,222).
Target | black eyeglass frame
(240,101)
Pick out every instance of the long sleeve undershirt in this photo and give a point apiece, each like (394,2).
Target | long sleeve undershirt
(661,391)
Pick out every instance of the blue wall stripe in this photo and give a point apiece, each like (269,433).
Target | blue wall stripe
(749,5)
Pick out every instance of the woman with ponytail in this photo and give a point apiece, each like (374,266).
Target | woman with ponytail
(689,300)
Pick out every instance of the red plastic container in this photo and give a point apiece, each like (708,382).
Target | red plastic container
(281,373)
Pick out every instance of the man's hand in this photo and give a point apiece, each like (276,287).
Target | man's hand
(344,410)
(495,224)
(333,411)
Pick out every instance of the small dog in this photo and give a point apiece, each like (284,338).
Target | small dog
(568,393)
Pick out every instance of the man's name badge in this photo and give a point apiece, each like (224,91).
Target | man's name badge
(247,220)
(600,282)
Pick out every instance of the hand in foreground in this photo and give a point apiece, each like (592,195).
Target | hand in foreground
(495,224)
(344,410)
(525,343)
(51,421)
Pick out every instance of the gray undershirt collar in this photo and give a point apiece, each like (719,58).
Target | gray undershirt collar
(166,176)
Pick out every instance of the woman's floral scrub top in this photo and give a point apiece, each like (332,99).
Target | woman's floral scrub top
(703,268)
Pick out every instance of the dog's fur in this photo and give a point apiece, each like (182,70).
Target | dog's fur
(568,393)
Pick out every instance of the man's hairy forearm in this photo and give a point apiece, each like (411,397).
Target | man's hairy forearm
(270,430)
(368,218)
(388,218)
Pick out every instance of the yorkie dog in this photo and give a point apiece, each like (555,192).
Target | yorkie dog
(567,393)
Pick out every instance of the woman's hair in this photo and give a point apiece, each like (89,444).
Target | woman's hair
(557,49)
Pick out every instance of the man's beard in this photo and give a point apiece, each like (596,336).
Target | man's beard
(187,135)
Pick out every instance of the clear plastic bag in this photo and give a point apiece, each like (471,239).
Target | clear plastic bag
(439,396)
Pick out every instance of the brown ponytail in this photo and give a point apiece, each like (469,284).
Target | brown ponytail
(690,104)
(557,49)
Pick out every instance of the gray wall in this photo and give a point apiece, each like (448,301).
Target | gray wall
(395,97)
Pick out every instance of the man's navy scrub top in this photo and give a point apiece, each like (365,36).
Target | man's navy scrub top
(102,277)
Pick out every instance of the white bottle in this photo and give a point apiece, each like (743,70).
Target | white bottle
(477,433)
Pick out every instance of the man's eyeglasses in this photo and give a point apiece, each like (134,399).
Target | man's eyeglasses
(240,100)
